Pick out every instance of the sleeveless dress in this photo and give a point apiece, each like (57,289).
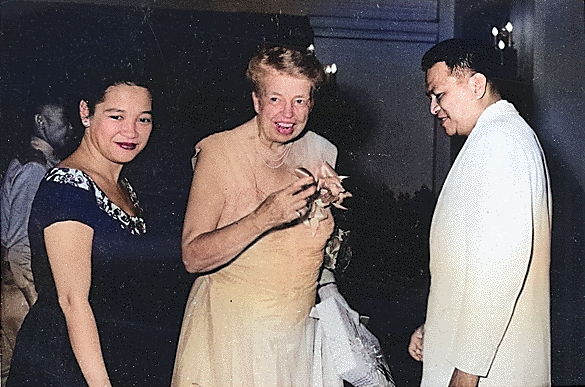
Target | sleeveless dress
(247,324)
(137,349)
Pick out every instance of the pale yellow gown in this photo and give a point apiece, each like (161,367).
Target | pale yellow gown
(247,324)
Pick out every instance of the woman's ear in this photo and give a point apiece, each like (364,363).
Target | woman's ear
(478,83)
(39,121)
(256,102)
(84,113)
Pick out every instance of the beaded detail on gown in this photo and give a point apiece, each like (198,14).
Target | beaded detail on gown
(247,324)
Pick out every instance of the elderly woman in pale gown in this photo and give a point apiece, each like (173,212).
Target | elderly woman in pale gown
(255,229)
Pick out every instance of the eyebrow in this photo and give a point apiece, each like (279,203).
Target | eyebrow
(282,95)
(428,89)
(432,91)
(116,110)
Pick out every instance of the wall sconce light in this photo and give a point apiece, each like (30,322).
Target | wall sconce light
(504,43)
(331,69)
(503,36)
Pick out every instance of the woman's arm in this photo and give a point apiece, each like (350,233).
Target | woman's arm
(205,247)
(69,249)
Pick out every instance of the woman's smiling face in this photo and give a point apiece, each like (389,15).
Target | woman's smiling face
(283,107)
(121,124)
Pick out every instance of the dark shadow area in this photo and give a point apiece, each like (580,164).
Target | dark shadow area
(567,273)
(388,279)
(474,19)
(341,117)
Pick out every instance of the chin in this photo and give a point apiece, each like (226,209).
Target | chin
(450,131)
(295,134)
(447,131)
(125,159)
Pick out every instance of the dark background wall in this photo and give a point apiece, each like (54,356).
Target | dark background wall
(375,112)
(558,43)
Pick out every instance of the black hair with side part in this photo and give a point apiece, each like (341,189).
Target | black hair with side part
(464,54)
(100,79)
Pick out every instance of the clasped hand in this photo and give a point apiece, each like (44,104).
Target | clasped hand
(415,348)
(288,204)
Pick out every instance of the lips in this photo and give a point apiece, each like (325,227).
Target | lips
(127,145)
(284,127)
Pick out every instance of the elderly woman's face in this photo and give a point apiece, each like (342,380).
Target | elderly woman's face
(121,124)
(283,108)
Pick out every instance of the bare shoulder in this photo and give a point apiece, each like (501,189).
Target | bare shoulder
(227,138)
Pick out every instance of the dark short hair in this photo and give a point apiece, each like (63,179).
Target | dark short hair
(464,54)
(290,60)
(99,76)
(44,95)
(97,94)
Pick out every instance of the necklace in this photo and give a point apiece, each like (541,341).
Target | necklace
(277,160)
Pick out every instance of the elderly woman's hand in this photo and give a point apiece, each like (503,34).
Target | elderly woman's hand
(286,205)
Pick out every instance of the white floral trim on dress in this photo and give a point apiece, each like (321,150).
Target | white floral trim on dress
(79,179)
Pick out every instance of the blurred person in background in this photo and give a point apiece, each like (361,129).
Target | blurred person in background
(51,133)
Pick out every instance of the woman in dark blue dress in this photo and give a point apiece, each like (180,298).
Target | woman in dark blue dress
(90,325)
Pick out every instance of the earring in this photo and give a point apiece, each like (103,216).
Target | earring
(85,122)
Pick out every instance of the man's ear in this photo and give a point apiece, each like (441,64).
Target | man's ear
(478,83)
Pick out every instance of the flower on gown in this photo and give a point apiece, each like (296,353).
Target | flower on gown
(330,192)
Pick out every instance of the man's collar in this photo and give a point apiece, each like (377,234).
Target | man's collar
(47,150)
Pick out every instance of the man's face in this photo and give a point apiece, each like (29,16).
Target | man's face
(452,99)
(57,128)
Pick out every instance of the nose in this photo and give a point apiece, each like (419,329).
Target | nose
(130,129)
(288,110)
(434,106)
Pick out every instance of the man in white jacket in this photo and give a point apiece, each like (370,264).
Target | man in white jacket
(488,319)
